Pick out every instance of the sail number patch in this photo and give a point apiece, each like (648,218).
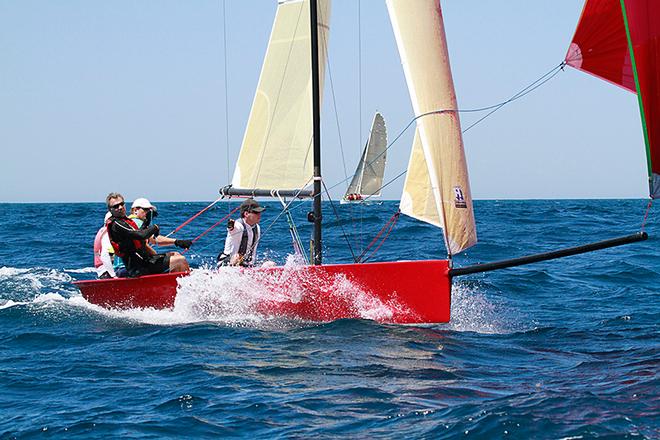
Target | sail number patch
(459,198)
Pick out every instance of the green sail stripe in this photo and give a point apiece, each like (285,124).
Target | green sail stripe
(639,92)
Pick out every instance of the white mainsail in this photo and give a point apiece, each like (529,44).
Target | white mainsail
(368,178)
(277,147)
(437,188)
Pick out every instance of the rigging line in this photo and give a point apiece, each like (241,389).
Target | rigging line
(297,242)
(648,209)
(528,89)
(348,242)
(277,100)
(387,184)
(215,225)
(533,86)
(334,103)
(552,72)
(359,100)
(517,96)
(194,217)
(389,224)
(290,208)
(380,189)
(520,94)
(383,240)
(287,207)
(391,144)
(361,212)
(224,40)
(375,239)
(359,3)
(212,243)
(198,250)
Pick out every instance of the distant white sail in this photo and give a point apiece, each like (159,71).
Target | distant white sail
(277,148)
(368,178)
(437,188)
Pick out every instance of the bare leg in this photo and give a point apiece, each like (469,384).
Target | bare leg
(178,263)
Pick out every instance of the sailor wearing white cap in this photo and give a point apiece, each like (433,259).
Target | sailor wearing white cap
(142,213)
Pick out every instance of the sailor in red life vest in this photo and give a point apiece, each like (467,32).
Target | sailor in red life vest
(243,236)
(129,242)
(102,250)
(354,196)
(143,211)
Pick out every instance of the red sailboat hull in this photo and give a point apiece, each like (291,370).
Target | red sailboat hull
(413,291)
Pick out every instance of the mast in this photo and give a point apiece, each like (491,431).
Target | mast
(316,122)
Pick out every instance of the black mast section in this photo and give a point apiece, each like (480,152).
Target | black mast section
(316,122)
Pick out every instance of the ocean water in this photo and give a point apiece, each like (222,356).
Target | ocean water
(559,349)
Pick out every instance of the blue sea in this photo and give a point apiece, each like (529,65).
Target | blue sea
(559,349)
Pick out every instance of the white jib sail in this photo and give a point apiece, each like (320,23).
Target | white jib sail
(277,150)
(368,178)
(437,188)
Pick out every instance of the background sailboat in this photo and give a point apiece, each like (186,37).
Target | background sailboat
(368,178)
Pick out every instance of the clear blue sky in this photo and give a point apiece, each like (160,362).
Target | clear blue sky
(129,96)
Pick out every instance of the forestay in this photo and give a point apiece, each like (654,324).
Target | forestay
(619,41)
(437,188)
(277,147)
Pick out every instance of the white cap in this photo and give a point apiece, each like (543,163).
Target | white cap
(142,203)
(107,217)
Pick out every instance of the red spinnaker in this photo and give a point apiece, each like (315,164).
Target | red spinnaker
(609,32)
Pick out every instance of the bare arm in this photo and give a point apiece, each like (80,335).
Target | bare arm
(164,241)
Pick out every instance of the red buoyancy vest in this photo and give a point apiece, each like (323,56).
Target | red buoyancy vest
(119,249)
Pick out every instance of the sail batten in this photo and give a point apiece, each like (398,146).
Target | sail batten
(437,188)
(276,152)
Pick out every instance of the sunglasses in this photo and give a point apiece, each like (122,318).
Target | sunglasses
(117,205)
